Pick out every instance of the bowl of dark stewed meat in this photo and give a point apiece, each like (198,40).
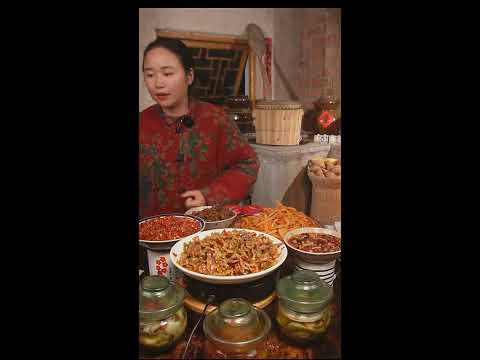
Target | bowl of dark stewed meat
(215,217)
(314,245)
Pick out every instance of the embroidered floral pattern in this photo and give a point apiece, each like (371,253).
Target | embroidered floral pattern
(212,157)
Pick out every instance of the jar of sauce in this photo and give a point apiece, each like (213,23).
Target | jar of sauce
(235,330)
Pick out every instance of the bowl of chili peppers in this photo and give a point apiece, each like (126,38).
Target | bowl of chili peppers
(215,217)
(163,230)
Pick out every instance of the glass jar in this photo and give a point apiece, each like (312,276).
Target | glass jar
(235,330)
(327,114)
(163,318)
(304,311)
(239,102)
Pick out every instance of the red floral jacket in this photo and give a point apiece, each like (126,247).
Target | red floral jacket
(212,157)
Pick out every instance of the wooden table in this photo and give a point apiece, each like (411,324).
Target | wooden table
(279,347)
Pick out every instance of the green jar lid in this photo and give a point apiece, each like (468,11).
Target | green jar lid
(159,298)
(304,291)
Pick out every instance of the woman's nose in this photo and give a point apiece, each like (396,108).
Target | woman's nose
(159,83)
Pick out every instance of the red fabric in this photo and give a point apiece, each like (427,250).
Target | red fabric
(217,159)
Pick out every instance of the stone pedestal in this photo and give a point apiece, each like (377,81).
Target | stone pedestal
(279,165)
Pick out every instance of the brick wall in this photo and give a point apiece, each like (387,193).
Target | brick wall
(320,55)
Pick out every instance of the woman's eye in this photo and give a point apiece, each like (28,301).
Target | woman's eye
(168,74)
(149,75)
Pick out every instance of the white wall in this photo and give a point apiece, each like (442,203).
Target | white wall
(213,20)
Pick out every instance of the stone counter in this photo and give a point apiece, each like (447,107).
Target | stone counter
(279,165)
(335,151)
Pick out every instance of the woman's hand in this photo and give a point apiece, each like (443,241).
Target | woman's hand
(194,198)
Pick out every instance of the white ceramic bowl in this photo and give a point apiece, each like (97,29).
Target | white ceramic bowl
(209,225)
(167,244)
(216,279)
(310,257)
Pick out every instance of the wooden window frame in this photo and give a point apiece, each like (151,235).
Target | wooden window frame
(215,41)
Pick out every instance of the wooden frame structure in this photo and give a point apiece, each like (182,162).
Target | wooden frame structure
(222,42)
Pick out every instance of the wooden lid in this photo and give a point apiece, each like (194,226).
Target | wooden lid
(278,105)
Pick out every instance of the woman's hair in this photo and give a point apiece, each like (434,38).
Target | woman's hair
(181,51)
(175,46)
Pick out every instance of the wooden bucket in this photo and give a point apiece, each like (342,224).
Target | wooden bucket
(278,122)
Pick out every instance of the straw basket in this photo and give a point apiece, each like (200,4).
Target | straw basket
(278,122)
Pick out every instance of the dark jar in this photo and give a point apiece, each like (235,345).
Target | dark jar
(327,115)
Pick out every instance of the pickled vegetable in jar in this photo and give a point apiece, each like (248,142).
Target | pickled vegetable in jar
(235,330)
(304,311)
(163,318)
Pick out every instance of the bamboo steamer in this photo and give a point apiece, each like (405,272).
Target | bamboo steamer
(278,122)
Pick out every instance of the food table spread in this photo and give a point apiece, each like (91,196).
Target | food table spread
(277,345)
(295,292)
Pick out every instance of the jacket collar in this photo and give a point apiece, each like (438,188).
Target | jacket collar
(170,120)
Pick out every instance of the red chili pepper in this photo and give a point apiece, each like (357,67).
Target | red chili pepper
(251,209)
(167,228)
(237,209)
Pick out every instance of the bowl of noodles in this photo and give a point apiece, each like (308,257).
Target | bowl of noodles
(228,256)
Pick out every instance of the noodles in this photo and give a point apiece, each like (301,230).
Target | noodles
(229,253)
(277,221)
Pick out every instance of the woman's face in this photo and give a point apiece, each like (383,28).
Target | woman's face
(166,79)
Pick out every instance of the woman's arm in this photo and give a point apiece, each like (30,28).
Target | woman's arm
(240,166)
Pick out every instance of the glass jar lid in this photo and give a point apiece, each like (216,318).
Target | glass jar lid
(236,322)
(304,291)
(159,298)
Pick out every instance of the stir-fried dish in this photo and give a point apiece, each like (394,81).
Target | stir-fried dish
(227,253)
(215,213)
(316,243)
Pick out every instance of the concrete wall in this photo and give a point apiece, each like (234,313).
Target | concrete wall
(213,20)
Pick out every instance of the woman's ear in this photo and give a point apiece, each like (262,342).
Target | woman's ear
(190,77)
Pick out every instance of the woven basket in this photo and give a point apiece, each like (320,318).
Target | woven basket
(278,122)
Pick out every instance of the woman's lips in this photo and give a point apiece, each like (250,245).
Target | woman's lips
(162,96)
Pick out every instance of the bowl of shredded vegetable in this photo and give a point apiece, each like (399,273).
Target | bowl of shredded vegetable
(228,256)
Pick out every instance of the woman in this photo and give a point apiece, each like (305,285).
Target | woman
(191,154)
